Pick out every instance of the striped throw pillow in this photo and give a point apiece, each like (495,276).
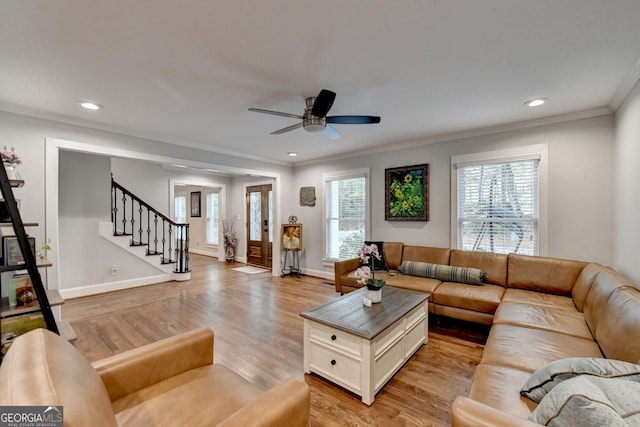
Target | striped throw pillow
(446,273)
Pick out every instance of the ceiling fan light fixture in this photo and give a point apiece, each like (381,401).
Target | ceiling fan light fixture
(535,102)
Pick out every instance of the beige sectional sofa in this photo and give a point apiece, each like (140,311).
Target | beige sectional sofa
(540,310)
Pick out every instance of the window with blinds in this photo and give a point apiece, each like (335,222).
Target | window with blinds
(345,222)
(212,219)
(498,206)
(180,213)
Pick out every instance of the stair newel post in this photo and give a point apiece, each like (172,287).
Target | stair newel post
(185,268)
(114,209)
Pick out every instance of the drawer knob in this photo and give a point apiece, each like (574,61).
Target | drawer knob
(333,337)
(333,362)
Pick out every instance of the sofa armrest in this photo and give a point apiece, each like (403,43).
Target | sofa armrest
(285,405)
(344,267)
(135,369)
(466,412)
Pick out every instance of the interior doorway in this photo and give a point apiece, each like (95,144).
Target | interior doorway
(260,225)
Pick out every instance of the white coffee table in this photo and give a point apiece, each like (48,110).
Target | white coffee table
(360,348)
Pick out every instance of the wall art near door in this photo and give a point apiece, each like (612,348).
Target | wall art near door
(195,204)
(292,236)
(407,193)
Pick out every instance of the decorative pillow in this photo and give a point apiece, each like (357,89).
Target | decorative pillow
(446,273)
(590,401)
(547,377)
(378,264)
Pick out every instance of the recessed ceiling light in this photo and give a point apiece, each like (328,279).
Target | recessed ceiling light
(292,154)
(535,102)
(90,105)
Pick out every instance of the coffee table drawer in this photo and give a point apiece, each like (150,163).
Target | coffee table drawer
(335,338)
(336,367)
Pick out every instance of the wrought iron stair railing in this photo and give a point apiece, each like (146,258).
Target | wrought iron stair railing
(131,216)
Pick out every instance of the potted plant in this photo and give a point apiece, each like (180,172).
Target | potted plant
(367,274)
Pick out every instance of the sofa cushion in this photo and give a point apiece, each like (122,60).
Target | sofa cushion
(471,276)
(521,296)
(426,254)
(484,298)
(57,375)
(547,377)
(414,283)
(495,265)
(499,387)
(590,401)
(528,349)
(393,254)
(378,264)
(202,396)
(605,282)
(551,275)
(555,319)
(583,284)
(618,332)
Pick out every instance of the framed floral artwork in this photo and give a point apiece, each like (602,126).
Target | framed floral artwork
(407,193)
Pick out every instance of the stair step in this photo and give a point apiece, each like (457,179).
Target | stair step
(66,331)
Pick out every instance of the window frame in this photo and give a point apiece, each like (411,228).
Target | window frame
(337,176)
(540,152)
(207,194)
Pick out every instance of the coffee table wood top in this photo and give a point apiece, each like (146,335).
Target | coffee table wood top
(348,314)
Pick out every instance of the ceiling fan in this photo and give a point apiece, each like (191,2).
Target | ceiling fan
(315,117)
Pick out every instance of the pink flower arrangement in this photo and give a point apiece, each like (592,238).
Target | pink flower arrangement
(10,156)
(367,275)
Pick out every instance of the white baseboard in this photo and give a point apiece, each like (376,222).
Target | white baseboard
(100,288)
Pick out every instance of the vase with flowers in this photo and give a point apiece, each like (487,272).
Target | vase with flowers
(230,239)
(11,160)
(366,274)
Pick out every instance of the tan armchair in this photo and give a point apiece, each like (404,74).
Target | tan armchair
(167,383)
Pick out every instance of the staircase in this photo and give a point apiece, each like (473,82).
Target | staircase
(146,233)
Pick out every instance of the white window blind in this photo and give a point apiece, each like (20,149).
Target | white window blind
(498,206)
(346,207)
(212,218)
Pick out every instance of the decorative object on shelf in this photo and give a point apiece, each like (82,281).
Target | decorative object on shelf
(46,246)
(11,161)
(230,239)
(11,253)
(196,212)
(293,219)
(25,295)
(407,193)
(292,237)
(307,196)
(367,274)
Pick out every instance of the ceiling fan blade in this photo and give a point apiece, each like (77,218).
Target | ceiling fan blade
(275,113)
(287,129)
(323,103)
(353,120)
(331,133)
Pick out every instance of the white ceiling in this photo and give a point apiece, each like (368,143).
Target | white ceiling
(186,71)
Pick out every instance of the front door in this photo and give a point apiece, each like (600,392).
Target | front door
(259,225)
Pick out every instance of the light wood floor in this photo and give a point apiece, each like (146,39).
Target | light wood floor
(258,334)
